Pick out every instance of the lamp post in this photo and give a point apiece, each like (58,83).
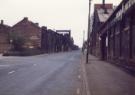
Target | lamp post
(11,44)
(88,35)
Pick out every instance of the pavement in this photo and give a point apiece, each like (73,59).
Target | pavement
(103,78)
(52,74)
(62,74)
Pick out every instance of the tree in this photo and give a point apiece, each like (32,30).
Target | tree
(17,41)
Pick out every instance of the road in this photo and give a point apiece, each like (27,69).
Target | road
(52,74)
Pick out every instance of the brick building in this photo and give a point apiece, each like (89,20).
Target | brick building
(117,36)
(101,14)
(44,41)
(56,41)
(4,37)
(34,37)
(30,31)
(51,41)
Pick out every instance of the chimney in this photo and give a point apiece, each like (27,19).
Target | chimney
(26,18)
(37,24)
(104,3)
(44,27)
(104,7)
(2,22)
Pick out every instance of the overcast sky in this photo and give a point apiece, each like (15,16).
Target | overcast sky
(55,14)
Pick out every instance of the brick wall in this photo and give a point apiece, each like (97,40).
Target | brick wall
(30,32)
(4,38)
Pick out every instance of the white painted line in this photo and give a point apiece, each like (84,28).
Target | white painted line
(4,65)
(11,72)
(35,64)
(78,91)
(79,76)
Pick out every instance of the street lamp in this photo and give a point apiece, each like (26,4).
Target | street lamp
(11,43)
(88,35)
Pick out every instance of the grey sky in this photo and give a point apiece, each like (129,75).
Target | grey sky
(56,14)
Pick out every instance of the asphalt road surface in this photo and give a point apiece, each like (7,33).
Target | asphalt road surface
(52,74)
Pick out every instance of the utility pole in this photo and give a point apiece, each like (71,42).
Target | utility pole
(88,35)
(83,37)
(83,45)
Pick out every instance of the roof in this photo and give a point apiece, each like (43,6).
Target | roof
(104,16)
(28,21)
(63,30)
(99,6)
(103,11)
(4,26)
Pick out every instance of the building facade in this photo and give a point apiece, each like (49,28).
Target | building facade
(29,31)
(27,35)
(101,14)
(117,36)
(51,41)
(56,41)
(4,37)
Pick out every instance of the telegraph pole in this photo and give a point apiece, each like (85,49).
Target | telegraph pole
(88,35)
(83,37)
(83,45)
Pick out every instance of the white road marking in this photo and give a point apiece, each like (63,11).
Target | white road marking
(35,64)
(11,72)
(78,91)
(79,76)
(4,65)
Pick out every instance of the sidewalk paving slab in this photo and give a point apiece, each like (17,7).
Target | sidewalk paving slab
(107,79)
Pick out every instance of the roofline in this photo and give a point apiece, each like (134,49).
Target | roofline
(117,8)
(28,21)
